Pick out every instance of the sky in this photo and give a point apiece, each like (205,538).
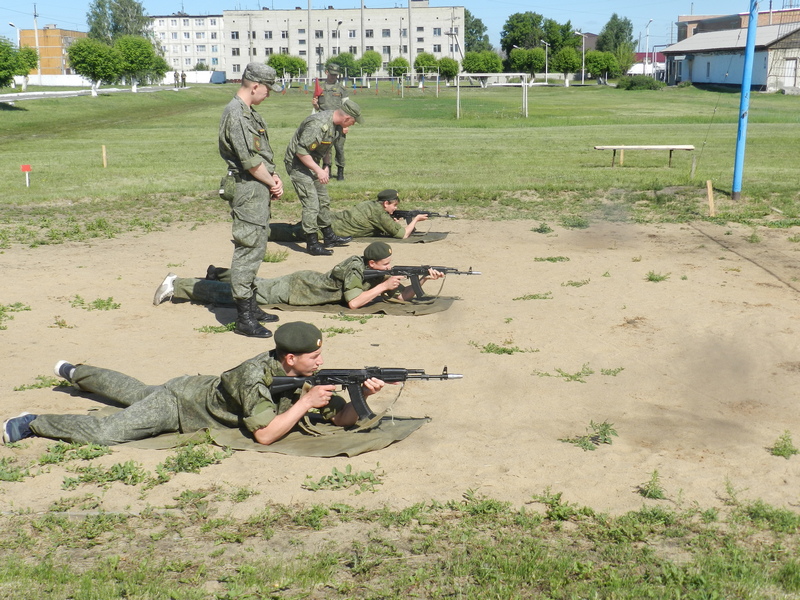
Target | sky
(588,16)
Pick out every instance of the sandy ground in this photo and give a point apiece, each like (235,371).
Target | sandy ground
(710,363)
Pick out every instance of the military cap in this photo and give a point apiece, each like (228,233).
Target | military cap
(377,251)
(351,108)
(333,69)
(298,338)
(261,73)
(388,196)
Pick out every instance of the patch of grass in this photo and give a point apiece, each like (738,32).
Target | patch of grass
(333,331)
(542,228)
(505,348)
(97,304)
(545,296)
(574,222)
(43,381)
(612,372)
(579,376)
(7,309)
(60,323)
(596,434)
(753,238)
(276,256)
(783,446)
(63,452)
(552,259)
(636,259)
(652,488)
(129,473)
(656,277)
(365,481)
(352,318)
(572,283)
(190,458)
(217,328)
(11,471)
(243,493)
(793,238)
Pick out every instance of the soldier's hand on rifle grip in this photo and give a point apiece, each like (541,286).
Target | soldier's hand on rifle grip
(318,396)
(393,282)
(373,385)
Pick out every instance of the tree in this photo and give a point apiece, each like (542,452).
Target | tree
(27,59)
(625,57)
(369,63)
(282,65)
(475,37)
(200,66)
(601,64)
(346,62)
(559,35)
(139,63)
(523,30)
(297,66)
(566,61)
(617,32)
(448,67)
(482,62)
(426,64)
(526,60)
(95,61)
(110,20)
(8,62)
(398,67)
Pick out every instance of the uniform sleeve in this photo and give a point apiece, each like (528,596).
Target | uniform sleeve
(245,136)
(262,415)
(388,226)
(313,138)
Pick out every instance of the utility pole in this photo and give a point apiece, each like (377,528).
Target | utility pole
(38,53)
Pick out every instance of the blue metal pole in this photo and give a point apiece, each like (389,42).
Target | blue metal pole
(744,104)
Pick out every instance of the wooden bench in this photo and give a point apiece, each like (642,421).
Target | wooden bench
(670,147)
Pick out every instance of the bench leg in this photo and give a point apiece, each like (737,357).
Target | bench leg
(613,156)
(670,158)
(621,157)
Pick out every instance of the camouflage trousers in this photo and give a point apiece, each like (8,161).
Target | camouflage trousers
(151,410)
(249,248)
(314,198)
(338,146)
(205,291)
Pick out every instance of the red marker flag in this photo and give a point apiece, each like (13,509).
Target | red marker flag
(317,89)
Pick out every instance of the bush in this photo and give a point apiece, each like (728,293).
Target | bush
(639,82)
(685,84)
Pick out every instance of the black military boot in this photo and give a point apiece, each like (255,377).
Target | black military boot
(259,314)
(314,247)
(339,173)
(331,239)
(246,323)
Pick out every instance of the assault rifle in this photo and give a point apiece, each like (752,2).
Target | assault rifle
(414,274)
(353,379)
(409,215)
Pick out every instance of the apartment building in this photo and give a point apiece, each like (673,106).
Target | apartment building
(229,41)
(51,42)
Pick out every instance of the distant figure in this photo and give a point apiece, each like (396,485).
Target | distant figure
(183,78)
(177,79)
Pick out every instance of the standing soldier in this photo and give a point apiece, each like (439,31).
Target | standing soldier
(310,145)
(183,78)
(250,185)
(331,98)
(176,77)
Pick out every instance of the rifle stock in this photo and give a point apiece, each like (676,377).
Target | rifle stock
(353,379)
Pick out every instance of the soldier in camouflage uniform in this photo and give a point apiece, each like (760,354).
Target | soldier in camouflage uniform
(330,99)
(244,145)
(239,398)
(344,284)
(366,219)
(309,147)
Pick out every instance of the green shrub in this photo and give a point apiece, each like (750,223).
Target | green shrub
(639,82)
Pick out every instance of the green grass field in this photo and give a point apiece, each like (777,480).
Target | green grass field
(163,164)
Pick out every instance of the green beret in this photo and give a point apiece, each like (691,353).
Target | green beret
(377,251)
(351,108)
(387,196)
(298,338)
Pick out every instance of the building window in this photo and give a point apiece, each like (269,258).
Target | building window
(420,40)
(404,32)
(200,35)
(335,34)
(267,51)
(301,31)
(200,48)
(234,51)
(437,31)
(162,35)
(175,62)
(212,22)
(214,49)
(236,68)
(301,42)
(199,23)
(437,47)
(161,22)
(405,49)
(319,50)
(186,49)
(253,51)
(284,35)
(213,35)
(214,61)
(186,35)
(173,22)
(302,53)
(319,34)
(353,49)
(351,33)
(234,35)
(387,49)
(267,35)
(202,61)
(186,22)
(386,33)
(420,29)
(368,33)
(335,51)
(284,50)
(370,48)
(420,50)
